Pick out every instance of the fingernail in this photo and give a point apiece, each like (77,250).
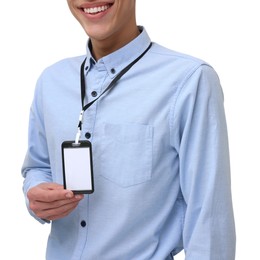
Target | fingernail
(78,196)
(69,195)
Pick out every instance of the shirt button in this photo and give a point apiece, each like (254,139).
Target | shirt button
(94,93)
(83,223)
(113,71)
(87,135)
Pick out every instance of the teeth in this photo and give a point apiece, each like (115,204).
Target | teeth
(95,10)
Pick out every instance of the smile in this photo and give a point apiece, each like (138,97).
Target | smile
(96,10)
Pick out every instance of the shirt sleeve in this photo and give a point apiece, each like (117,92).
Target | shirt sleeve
(200,136)
(36,165)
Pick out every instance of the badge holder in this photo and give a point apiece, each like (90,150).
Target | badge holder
(77,167)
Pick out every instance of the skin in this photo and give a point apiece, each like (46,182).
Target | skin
(108,31)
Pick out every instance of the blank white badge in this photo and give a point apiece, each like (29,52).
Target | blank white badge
(77,167)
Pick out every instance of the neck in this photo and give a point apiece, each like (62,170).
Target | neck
(101,48)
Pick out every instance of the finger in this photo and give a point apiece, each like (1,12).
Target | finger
(55,213)
(56,195)
(42,206)
(58,203)
(51,186)
(48,192)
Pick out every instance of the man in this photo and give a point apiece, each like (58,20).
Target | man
(160,148)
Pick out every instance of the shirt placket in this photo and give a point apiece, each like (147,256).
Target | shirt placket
(96,76)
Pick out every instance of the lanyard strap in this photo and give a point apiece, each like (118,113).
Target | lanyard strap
(109,87)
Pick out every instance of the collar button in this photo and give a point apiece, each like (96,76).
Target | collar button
(94,93)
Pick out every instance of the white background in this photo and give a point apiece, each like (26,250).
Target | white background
(225,33)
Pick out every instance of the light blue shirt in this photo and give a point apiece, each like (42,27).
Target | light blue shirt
(160,151)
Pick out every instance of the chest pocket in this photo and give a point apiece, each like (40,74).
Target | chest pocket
(126,153)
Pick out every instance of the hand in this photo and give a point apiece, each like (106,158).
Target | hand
(51,201)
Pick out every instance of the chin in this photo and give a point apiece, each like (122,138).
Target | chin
(97,33)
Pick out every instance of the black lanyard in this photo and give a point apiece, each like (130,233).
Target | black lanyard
(110,86)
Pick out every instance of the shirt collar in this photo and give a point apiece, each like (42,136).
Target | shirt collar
(118,60)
